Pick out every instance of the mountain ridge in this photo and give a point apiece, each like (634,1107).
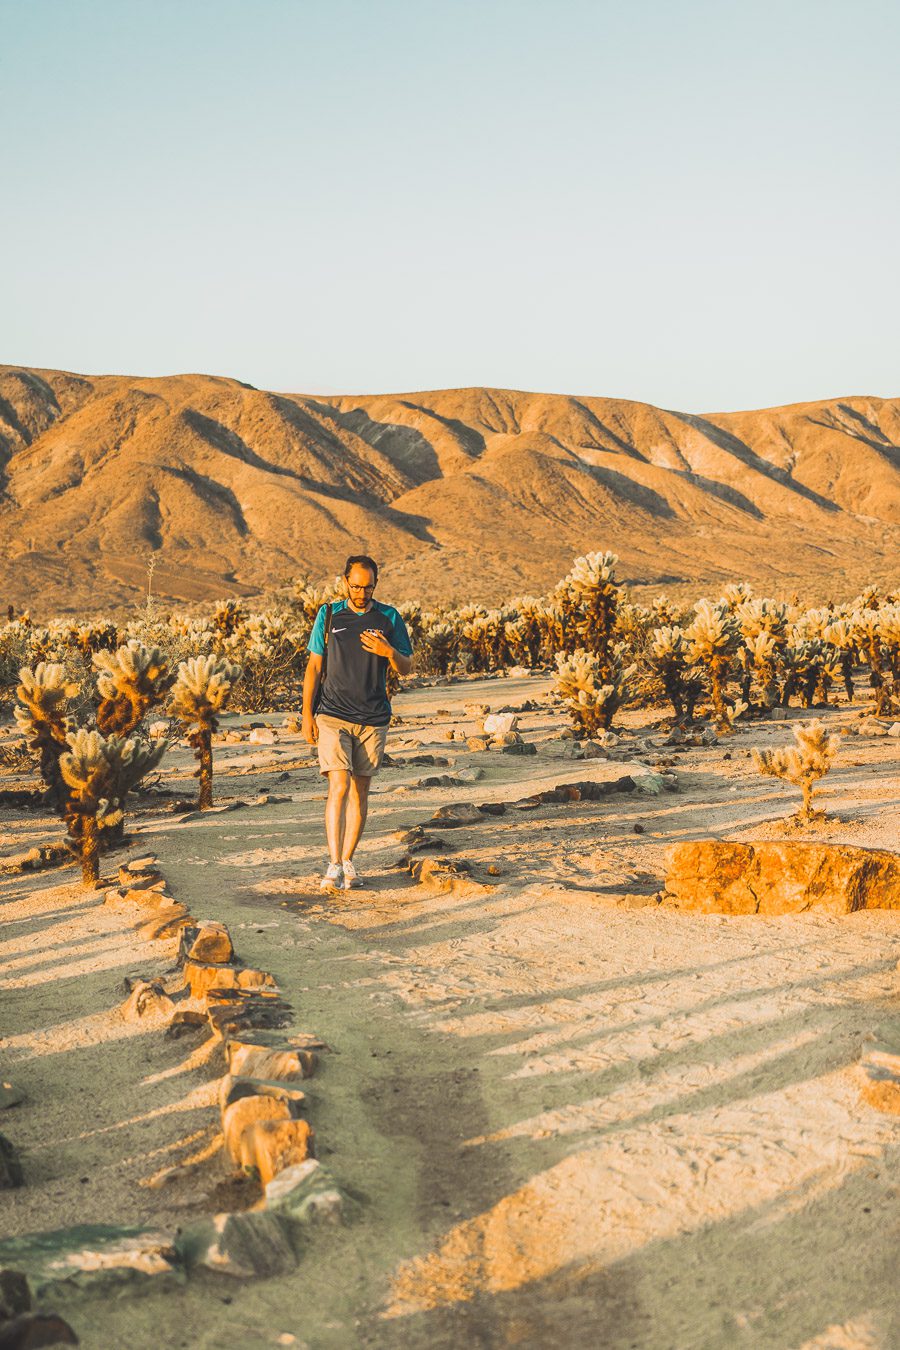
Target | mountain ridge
(475,493)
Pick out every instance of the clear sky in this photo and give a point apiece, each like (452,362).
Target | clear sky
(690,202)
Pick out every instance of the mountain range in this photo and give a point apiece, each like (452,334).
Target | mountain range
(460,494)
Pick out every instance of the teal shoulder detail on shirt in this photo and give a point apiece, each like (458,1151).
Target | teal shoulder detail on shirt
(399,637)
(316,643)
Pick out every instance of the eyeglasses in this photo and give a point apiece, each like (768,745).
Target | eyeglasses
(359,588)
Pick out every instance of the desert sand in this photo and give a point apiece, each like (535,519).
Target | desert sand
(560,1113)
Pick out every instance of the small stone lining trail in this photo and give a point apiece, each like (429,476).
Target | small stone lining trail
(559,1120)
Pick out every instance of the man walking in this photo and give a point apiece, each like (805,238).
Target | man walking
(347,712)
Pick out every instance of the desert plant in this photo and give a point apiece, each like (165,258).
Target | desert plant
(99,772)
(592,689)
(45,694)
(802,764)
(199,694)
(589,599)
(131,680)
(668,656)
(713,639)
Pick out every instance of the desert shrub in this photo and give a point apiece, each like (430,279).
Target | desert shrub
(592,688)
(45,696)
(200,692)
(669,657)
(803,763)
(713,638)
(98,772)
(130,682)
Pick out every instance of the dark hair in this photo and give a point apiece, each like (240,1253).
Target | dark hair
(361,560)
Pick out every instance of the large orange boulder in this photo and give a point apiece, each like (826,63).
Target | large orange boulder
(768,877)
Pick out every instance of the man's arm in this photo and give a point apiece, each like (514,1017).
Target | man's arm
(310,688)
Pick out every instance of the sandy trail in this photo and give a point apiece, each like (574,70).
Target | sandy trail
(560,1121)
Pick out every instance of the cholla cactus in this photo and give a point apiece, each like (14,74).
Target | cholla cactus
(131,680)
(592,689)
(839,636)
(227,616)
(735,595)
(440,643)
(99,772)
(802,764)
(713,637)
(200,693)
(589,598)
(758,656)
(868,632)
(668,656)
(45,694)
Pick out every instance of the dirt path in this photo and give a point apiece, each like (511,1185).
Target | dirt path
(560,1121)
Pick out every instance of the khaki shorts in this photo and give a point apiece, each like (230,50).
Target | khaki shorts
(351,746)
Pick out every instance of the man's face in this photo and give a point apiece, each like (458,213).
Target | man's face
(360,585)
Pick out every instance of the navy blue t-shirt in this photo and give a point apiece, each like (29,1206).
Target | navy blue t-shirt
(354,688)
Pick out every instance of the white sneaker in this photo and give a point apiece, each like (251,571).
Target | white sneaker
(333,878)
(351,876)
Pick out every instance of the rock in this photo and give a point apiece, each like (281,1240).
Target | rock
(500,724)
(95,1258)
(249,1059)
(519,748)
(246,1011)
(141,881)
(148,999)
(11,1174)
(648,782)
(478,742)
(488,809)
(208,941)
(157,730)
(470,775)
(439,780)
(768,877)
(184,1022)
(304,1193)
(262,736)
(203,976)
(476,709)
(270,799)
(247,1111)
(445,874)
(15,1296)
(232,1089)
(31,1330)
(150,899)
(879,1080)
(454,815)
(517,672)
(10,1095)
(148,863)
(167,922)
(253,1243)
(267,1147)
(565,748)
(871,726)
(894,729)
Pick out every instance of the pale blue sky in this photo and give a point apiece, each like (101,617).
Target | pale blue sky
(689,202)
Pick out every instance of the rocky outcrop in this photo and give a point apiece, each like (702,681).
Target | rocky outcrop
(767,877)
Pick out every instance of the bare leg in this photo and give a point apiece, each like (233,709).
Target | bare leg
(336,811)
(357,810)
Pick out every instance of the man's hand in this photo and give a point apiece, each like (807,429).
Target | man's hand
(375,642)
(310,730)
